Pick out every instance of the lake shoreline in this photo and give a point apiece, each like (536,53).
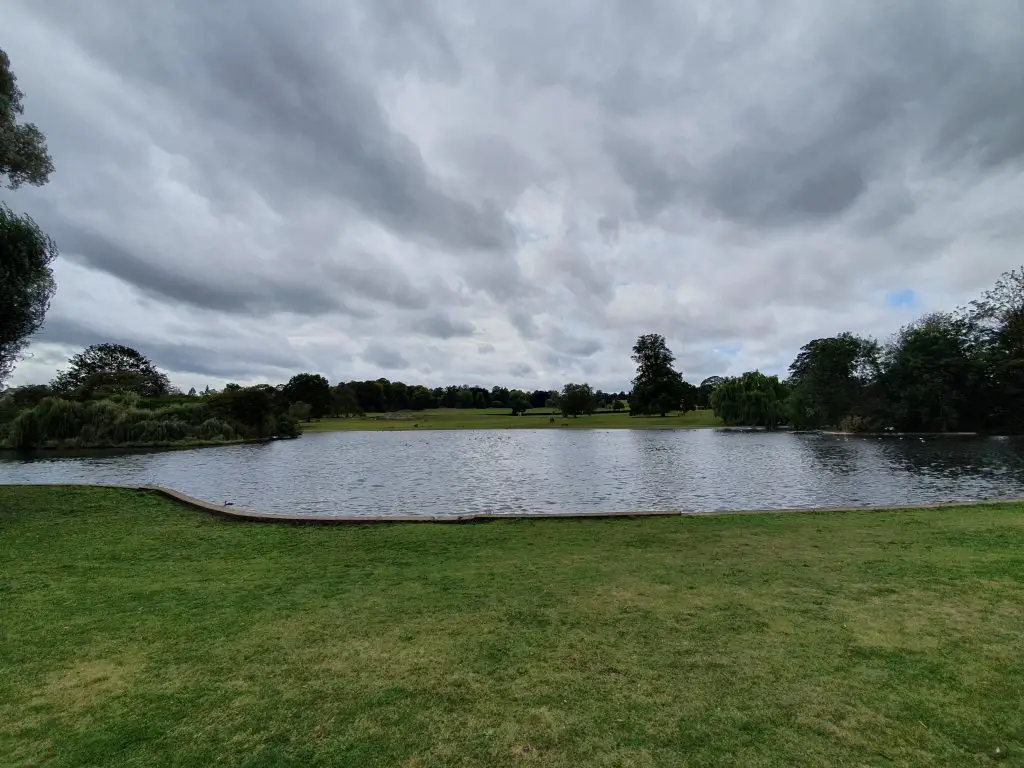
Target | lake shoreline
(230,512)
(96,449)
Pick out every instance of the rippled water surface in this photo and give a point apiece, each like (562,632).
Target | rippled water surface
(456,472)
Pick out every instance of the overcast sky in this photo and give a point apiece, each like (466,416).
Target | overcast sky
(509,193)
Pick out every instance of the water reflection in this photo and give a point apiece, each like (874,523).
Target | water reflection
(438,473)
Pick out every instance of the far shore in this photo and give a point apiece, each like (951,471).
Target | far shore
(502,418)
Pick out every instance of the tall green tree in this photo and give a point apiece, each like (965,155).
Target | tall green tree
(26,284)
(705,388)
(420,398)
(934,373)
(577,399)
(23,154)
(519,401)
(26,280)
(107,369)
(998,317)
(657,387)
(831,378)
(312,389)
(344,401)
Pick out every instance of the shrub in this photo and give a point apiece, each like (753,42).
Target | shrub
(119,421)
(24,431)
(216,429)
(287,426)
(858,424)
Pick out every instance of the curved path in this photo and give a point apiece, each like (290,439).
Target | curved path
(244,515)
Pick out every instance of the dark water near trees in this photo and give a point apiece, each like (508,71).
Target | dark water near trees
(458,472)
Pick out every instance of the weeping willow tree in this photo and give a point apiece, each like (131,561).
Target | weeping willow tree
(750,400)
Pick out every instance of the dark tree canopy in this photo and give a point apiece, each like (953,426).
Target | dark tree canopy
(934,375)
(344,401)
(576,399)
(26,283)
(105,369)
(753,400)
(23,155)
(519,401)
(702,394)
(658,387)
(830,377)
(312,389)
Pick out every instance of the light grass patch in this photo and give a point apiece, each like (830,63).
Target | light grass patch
(89,683)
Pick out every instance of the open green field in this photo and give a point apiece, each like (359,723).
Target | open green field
(134,632)
(501,418)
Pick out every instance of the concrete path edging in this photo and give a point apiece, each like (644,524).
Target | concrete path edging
(245,515)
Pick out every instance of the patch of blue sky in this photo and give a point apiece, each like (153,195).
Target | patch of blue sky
(902,299)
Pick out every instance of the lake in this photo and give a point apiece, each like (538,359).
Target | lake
(509,471)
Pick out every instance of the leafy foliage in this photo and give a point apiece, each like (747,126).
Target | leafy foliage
(299,411)
(102,370)
(344,401)
(753,399)
(23,154)
(26,280)
(519,401)
(26,283)
(934,375)
(576,399)
(830,377)
(657,387)
(122,420)
(311,389)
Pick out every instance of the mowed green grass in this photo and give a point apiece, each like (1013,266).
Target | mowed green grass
(134,632)
(501,418)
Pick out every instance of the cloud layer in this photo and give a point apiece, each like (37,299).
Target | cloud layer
(509,194)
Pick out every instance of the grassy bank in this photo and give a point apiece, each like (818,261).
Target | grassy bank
(501,418)
(137,632)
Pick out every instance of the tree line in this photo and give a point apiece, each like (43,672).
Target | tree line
(112,395)
(318,398)
(961,370)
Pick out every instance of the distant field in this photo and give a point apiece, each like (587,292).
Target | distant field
(501,418)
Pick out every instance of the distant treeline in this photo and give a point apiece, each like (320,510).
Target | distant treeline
(960,370)
(947,371)
(354,398)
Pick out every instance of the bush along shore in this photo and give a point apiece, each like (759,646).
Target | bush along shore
(59,423)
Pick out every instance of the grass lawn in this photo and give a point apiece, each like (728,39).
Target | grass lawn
(134,632)
(501,418)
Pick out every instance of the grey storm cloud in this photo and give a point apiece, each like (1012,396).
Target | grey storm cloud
(442,326)
(510,194)
(520,370)
(233,357)
(385,357)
